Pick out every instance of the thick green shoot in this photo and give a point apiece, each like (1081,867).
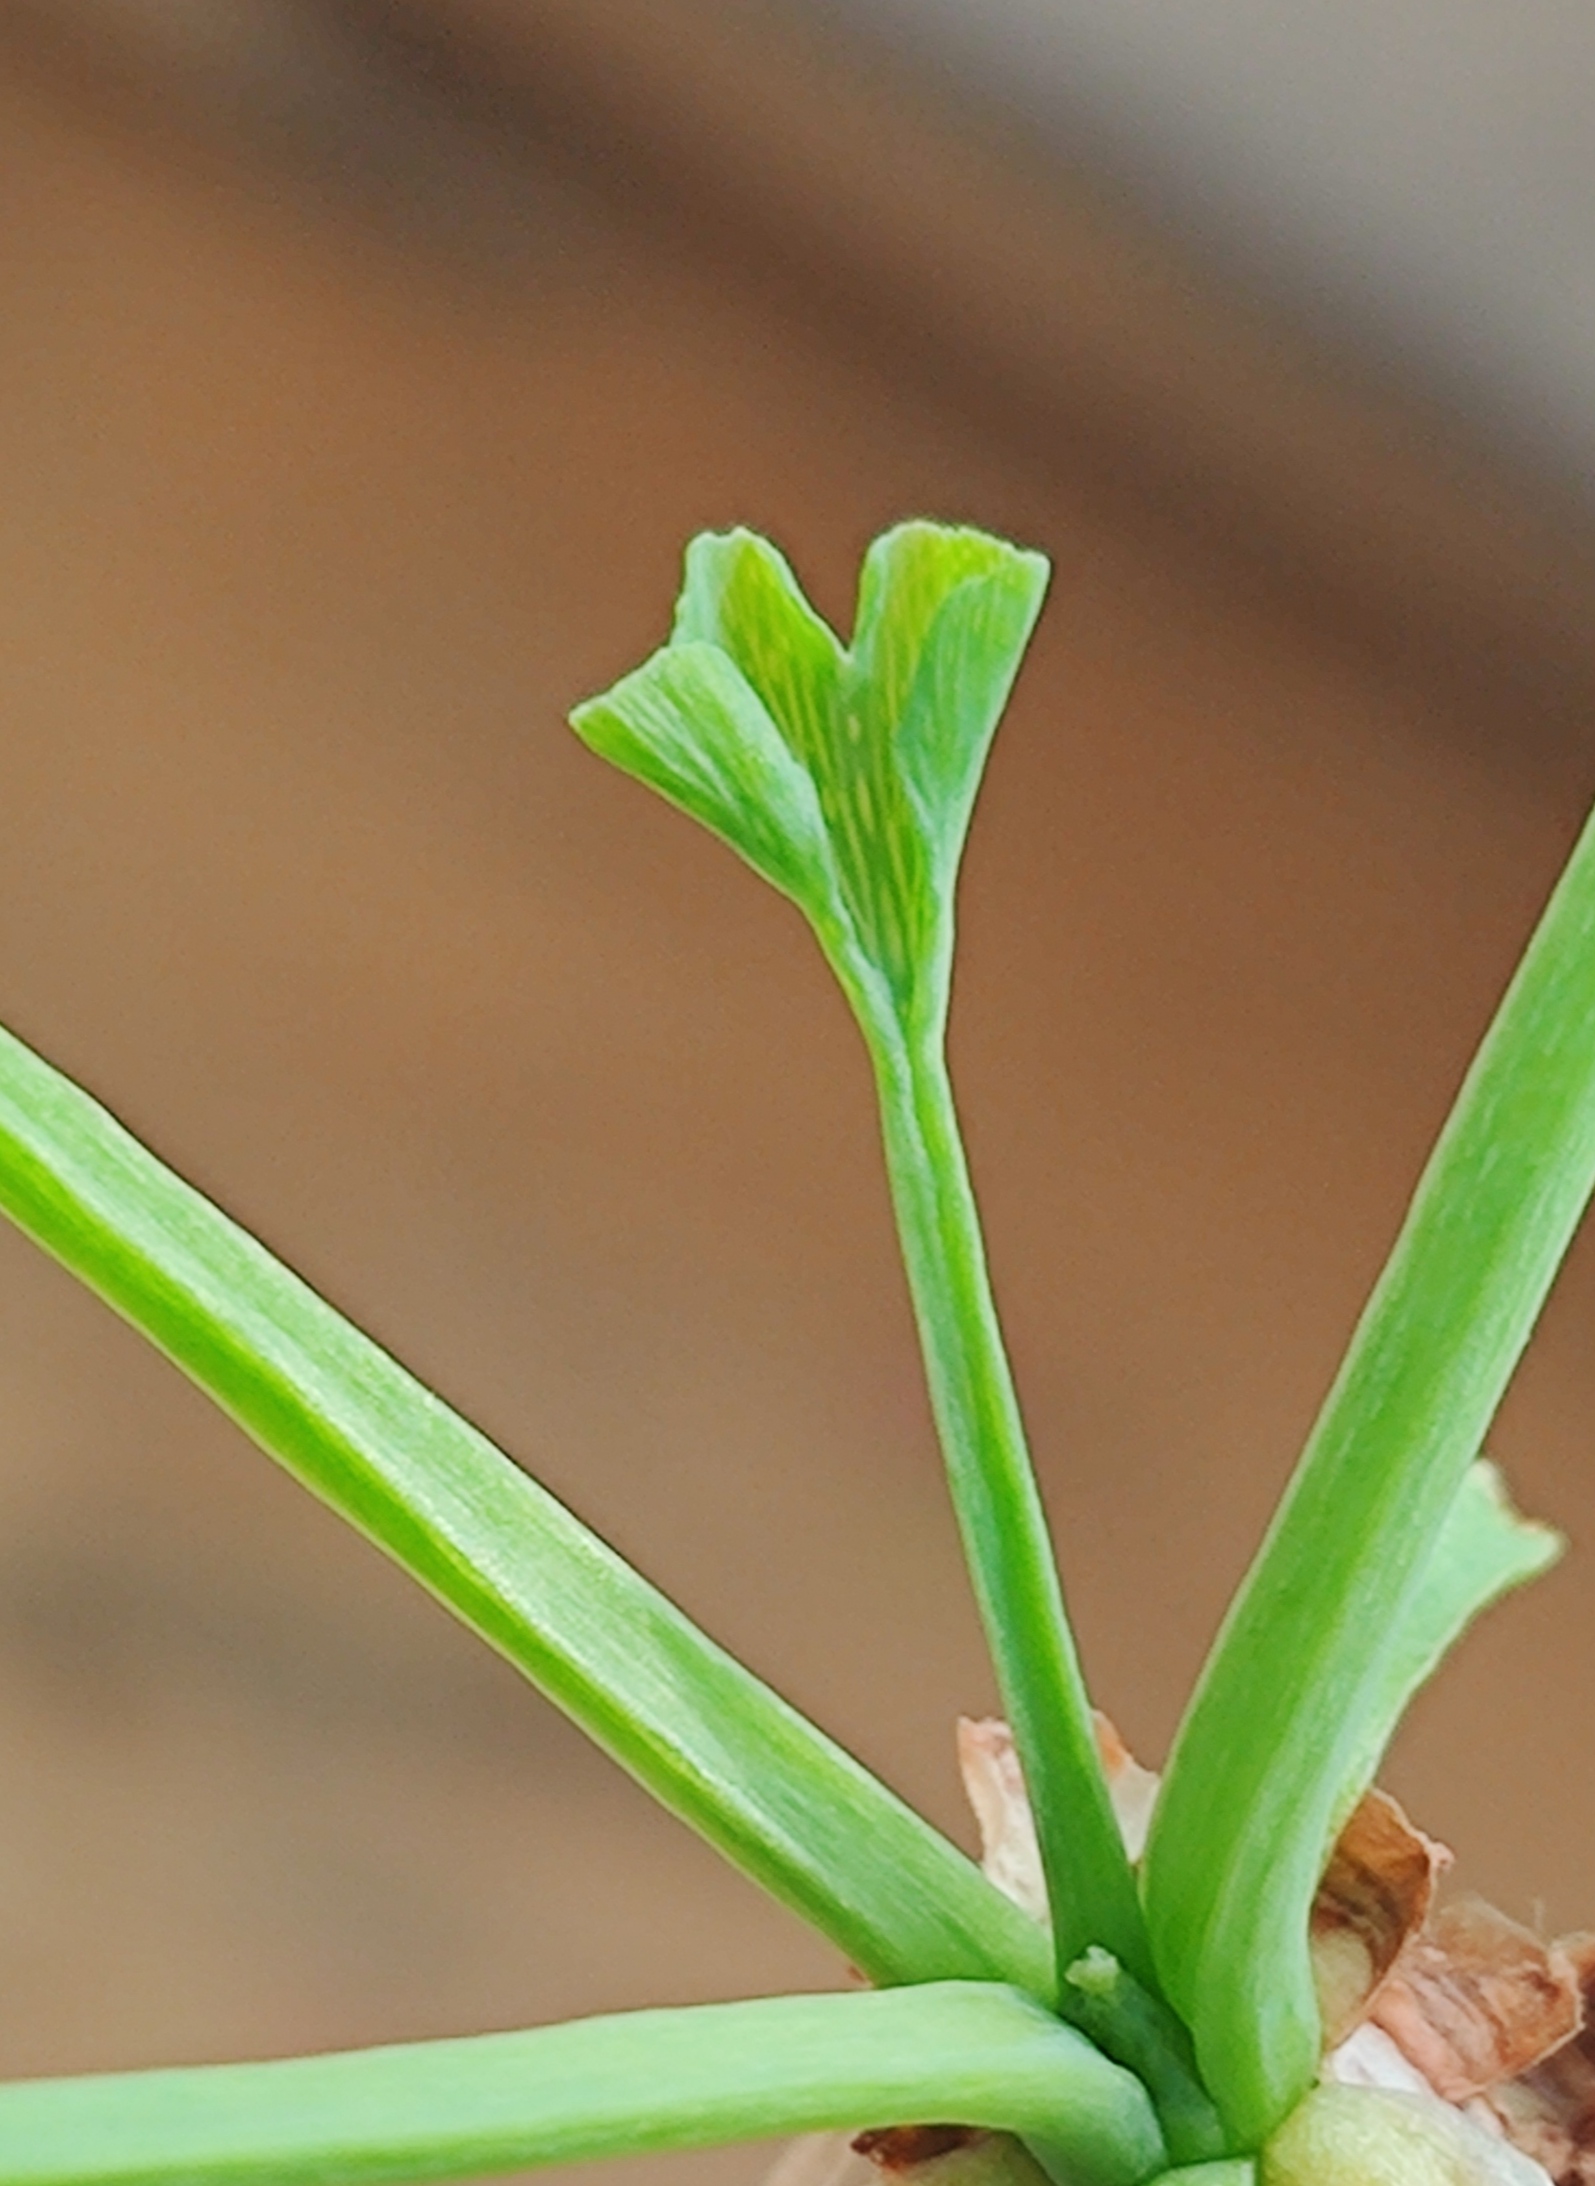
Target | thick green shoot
(847,776)
(702,1733)
(1320,1650)
(974,2053)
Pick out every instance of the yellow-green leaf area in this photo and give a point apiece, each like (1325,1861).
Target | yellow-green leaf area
(890,734)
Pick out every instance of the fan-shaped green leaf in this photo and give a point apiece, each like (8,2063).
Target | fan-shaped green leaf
(690,724)
(738,593)
(943,621)
(891,735)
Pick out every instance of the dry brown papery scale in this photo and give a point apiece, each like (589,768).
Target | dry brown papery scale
(1445,1998)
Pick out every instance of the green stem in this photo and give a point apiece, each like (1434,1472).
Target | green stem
(974,2053)
(1278,1725)
(1090,1885)
(705,1736)
(1138,2030)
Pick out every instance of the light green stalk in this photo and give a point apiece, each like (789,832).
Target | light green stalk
(998,1505)
(638,2082)
(1138,2030)
(1319,1651)
(710,1741)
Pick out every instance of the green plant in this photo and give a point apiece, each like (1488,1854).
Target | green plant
(1169,2026)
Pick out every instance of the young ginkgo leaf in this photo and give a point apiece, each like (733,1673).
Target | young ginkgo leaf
(847,776)
(890,736)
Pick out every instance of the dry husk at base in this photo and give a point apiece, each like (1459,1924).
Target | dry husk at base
(1459,2046)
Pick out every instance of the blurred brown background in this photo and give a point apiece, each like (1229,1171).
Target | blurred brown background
(360,380)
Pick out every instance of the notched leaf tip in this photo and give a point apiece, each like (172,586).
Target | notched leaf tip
(846,775)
